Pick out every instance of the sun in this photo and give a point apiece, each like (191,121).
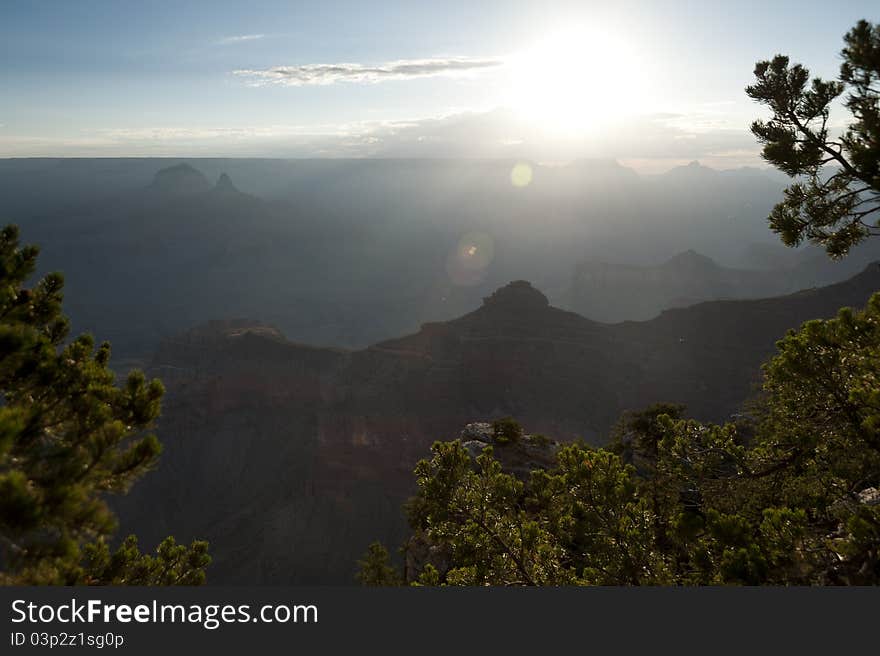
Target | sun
(574,80)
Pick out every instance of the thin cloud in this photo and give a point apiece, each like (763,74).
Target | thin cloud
(405,69)
(189,134)
(241,38)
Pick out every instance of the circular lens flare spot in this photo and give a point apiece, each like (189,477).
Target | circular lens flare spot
(521,175)
(468,263)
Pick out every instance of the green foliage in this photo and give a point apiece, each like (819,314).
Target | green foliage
(676,501)
(173,564)
(429,576)
(375,569)
(507,431)
(473,515)
(68,434)
(820,443)
(838,186)
(637,434)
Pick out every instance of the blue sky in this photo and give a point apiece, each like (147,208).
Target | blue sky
(653,83)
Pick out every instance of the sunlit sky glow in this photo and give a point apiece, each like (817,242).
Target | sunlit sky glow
(652,84)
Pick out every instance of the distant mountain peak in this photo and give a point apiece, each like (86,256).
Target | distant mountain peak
(517,295)
(224,183)
(690,260)
(180,179)
(690,169)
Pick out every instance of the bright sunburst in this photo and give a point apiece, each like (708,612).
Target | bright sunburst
(574,80)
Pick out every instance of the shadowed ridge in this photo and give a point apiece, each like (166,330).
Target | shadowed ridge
(852,292)
(514,311)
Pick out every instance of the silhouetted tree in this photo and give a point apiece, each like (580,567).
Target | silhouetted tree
(68,436)
(836,198)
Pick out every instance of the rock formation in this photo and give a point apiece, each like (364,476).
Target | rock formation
(224,184)
(181,179)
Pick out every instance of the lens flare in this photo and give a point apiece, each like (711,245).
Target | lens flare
(468,263)
(521,175)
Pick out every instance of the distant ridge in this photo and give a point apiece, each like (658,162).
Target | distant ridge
(615,292)
(690,260)
(691,170)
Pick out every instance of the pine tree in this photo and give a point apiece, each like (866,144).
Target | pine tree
(836,198)
(69,435)
(794,501)
(375,568)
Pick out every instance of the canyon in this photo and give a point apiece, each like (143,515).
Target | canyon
(290,459)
